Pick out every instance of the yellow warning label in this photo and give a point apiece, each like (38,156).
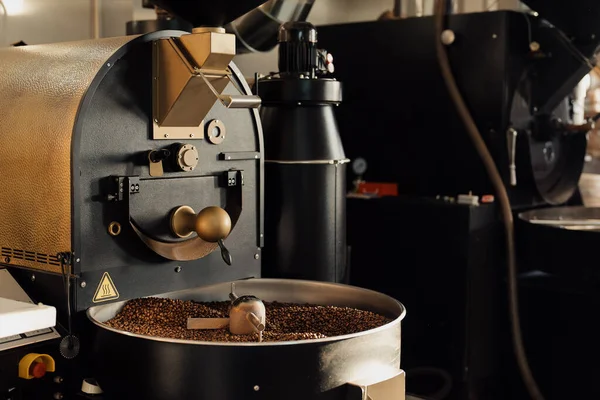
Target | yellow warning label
(106,290)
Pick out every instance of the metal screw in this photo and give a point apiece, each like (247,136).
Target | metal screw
(83,284)
(108,64)
(166,135)
(191,135)
(593,36)
(32,277)
(256,388)
(494,36)
(155,120)
(535,109)
(78,260)
(58,396)
(7,259)
(58,379)
(178,269)
(256,256)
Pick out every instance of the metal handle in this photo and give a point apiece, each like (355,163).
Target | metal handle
(230,101)
(212,224)
(255,321)
(511,136)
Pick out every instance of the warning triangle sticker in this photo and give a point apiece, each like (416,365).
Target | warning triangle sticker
(106,290)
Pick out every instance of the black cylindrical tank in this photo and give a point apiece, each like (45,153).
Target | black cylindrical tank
(305,164)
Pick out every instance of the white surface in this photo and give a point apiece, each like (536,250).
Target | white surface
(20,318)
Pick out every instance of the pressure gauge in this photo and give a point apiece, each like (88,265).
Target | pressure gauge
(359,166)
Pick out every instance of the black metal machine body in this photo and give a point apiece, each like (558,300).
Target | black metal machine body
(305,163)
(516,71)
(447,267)
(511,90)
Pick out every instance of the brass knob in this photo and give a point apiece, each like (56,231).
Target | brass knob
(212,224)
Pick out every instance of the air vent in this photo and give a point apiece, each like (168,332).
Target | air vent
(33,256)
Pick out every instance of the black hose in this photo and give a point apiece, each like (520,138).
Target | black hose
(502,195)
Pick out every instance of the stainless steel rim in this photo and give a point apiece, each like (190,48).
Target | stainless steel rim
(391,301)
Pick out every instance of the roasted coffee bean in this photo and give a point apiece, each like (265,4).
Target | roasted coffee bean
(167,318)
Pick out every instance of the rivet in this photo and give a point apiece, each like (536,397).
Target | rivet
(178,269)
(256,388)
(83,284)
(78,260)
(166,135)
(256,256)
(32,277)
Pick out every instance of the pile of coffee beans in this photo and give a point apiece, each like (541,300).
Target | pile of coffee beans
(167,318)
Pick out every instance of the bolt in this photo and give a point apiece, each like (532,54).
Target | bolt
(58,379)
(83,284)
(256,256)
(178,269)
(32,277)
(256,388)
(448,37)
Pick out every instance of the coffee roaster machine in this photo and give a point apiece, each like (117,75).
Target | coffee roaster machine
(439,244)
(135,166)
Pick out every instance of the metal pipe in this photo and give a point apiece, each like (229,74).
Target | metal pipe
(96,19)
(257,30)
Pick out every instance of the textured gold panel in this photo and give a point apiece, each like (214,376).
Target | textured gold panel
(41,88)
